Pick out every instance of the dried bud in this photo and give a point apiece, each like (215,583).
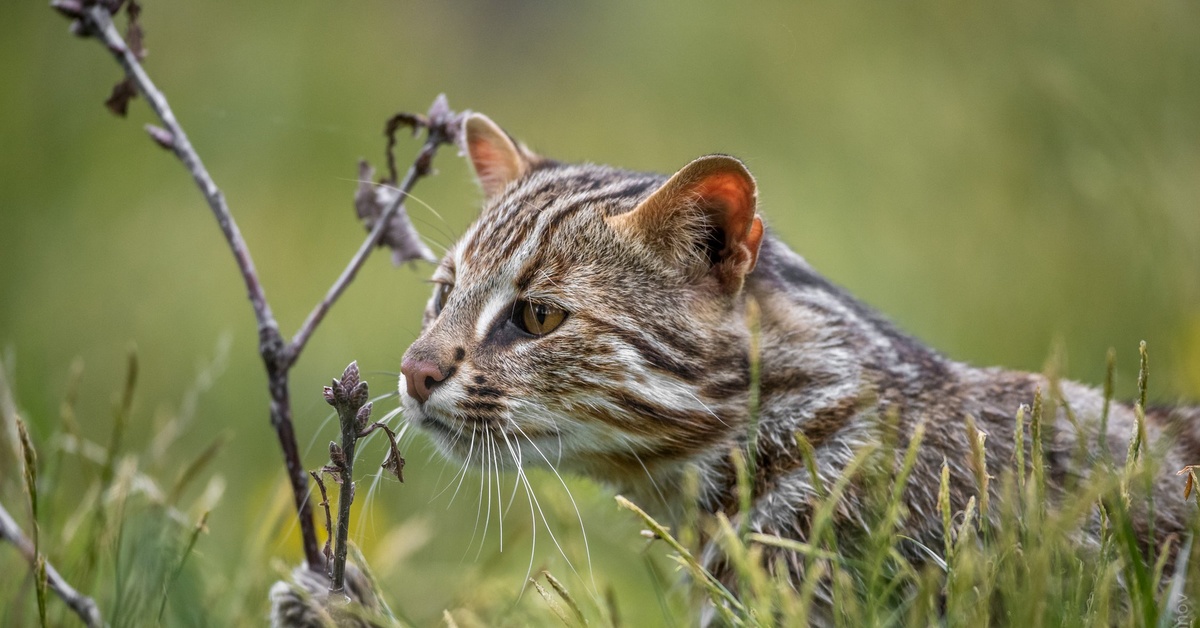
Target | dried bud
(441,115)
(359,395)
(161,136)
(393,462)
(69,8)
(336,456)
(339,392)
(133,31)
(350,377)
(363,417)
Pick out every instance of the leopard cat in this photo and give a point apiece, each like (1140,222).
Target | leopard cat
(599,317)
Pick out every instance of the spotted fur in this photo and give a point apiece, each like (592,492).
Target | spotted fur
(648,378)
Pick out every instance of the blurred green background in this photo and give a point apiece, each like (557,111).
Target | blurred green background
(995,177)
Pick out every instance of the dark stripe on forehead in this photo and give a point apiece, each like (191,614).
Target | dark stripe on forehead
(575,203)
(531,206)
(517,238)
(531,268)
(562,190)
(552,223)
(549,218)
(515,207)
(633,190)
(506,234)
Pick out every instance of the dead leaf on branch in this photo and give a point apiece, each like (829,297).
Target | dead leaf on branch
(122,93)
(444,126)
(370,201)
(394,462)
(134,35)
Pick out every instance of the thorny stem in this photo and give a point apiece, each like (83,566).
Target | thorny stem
(82,605)
(278,356)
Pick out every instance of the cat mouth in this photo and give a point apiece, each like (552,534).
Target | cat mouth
(452,431)
(459,436)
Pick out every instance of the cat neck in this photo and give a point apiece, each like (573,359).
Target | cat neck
(826,361)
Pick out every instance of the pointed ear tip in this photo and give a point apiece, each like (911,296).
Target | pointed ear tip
(477,123)
(720,162)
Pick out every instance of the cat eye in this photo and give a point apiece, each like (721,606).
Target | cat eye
(537,319)
(440,294)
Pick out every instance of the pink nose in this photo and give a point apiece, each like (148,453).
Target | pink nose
(421,378)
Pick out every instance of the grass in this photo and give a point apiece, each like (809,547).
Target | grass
(136,544)
(1033,568)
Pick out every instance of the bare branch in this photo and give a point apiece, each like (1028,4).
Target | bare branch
(442,127)
(99,22)
(388,226)
(96,20)
(328,549)
(81,604)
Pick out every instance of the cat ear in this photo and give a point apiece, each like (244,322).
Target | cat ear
(706,215)
(498,160)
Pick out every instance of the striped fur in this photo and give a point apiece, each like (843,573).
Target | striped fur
(647,380)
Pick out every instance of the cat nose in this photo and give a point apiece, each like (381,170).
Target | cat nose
(421,378)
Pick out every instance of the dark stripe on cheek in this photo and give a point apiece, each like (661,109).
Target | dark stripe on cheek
(663,415)
(481,406)
(656,358)
(485,391)
(725,388)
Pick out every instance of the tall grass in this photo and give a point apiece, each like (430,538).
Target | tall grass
(1031,567)
(137,544)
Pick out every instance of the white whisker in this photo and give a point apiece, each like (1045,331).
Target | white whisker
(540,512)
(499,516)
(479,507)
(578,515)
(650,477)
(532,517)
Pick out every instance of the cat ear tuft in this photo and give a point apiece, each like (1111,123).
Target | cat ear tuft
(706,216)
(498,159)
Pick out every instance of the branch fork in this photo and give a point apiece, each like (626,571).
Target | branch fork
(381,207)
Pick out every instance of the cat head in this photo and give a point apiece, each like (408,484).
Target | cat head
(590,316)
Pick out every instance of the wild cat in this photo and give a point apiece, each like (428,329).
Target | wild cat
(598,317)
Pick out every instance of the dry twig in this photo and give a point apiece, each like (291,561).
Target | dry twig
(388,224)
(82,605)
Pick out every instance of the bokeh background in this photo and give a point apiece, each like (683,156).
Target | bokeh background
(998,178)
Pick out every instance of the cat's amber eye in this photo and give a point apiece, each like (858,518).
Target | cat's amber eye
(440,294)
(538,319)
